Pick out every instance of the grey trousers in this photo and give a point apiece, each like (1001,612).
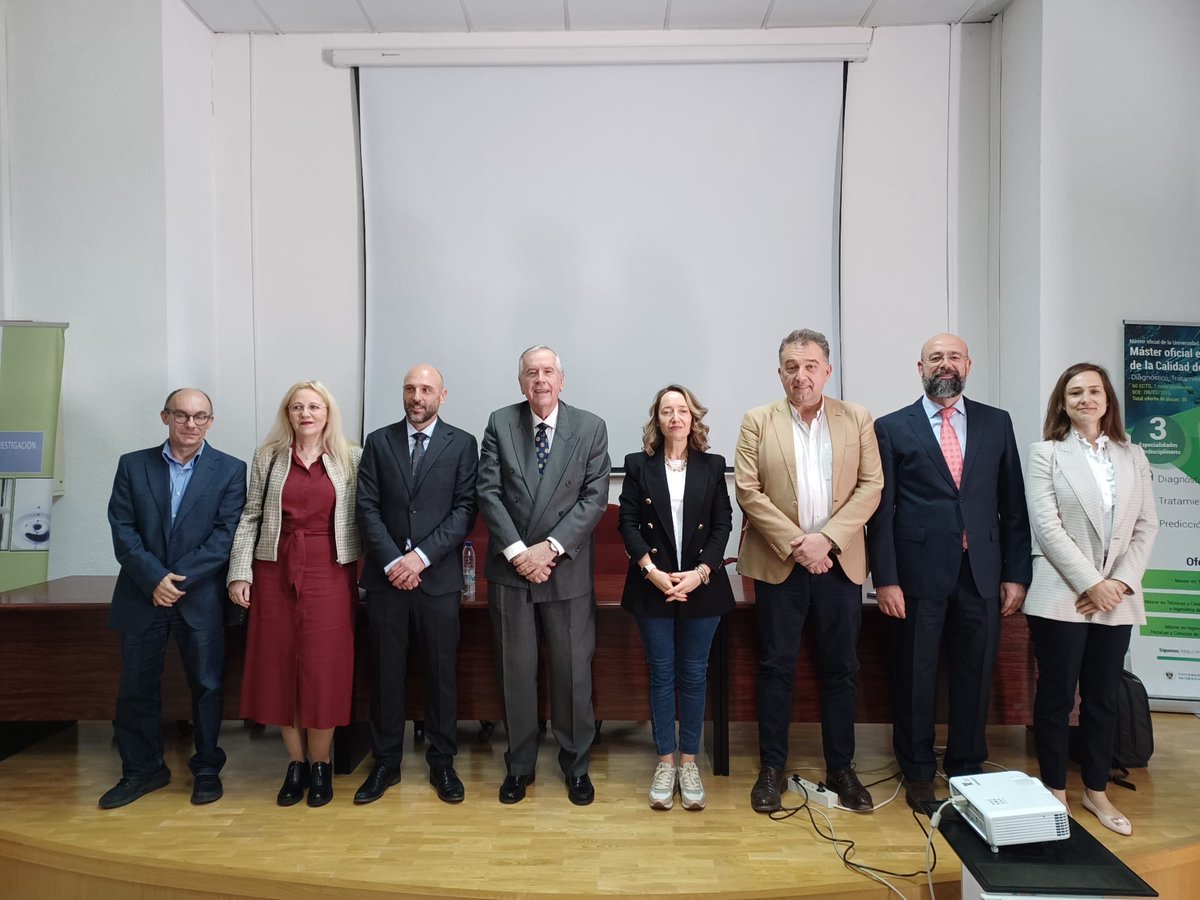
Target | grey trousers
(569,627)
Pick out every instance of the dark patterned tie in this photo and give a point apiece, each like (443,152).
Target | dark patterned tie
(542,445)
(418,453)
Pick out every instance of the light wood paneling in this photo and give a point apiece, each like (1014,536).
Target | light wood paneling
(55,843)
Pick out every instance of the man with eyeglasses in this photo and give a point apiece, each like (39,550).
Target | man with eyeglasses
(173,512)
(950,554)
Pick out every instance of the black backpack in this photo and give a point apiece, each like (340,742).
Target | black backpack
(1133,743)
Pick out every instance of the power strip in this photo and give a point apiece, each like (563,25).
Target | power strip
(818,794)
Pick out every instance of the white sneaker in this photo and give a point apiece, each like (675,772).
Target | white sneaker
(662,787)
(691,788)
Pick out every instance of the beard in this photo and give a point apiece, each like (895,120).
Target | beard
(938,388)
(418,416)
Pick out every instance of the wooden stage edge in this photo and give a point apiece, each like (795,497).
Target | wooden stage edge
(55,843)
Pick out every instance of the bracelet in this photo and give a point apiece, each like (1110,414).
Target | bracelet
(700,570)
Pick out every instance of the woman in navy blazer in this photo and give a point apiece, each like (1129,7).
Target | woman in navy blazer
(1092,507)
(675,520)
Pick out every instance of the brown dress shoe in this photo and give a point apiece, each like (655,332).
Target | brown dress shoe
(850,791)
(920,796)
(765,796)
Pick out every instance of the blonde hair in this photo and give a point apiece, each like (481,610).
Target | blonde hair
(281,436)
(652,437)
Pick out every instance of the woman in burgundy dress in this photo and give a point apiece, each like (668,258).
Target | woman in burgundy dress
(293,564)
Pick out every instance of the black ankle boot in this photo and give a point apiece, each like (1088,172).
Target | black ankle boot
(294,783)
(320,784)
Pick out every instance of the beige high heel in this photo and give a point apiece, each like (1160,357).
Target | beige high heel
(1119,824)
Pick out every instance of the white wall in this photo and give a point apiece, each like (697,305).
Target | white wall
(246,189)
(1101,184)
(916,169)
(85,147)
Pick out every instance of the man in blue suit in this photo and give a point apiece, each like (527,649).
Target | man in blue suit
(173,512)
(949,549)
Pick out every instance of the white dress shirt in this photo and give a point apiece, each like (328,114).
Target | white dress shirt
(814,470)
(551,422)
(412,444)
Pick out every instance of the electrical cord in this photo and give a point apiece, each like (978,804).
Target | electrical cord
(871,872)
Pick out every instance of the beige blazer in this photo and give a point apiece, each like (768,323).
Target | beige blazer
(1065,512)
(257,534)
(764,469)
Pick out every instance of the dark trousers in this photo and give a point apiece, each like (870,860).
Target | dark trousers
(569,627)
(833,603)
(435,622)
(1092,657)
(968,626)
(139,699)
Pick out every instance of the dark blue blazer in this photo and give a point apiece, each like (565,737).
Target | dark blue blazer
(148,547)
(436,511)
(914,539)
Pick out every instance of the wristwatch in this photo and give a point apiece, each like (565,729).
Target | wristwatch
(647,569)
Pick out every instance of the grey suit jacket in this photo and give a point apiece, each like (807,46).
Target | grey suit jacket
(565,502)
(1069,555)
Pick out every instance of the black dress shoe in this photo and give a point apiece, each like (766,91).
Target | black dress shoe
(767,793)
(513,788)
(206,789)
(449,785)
(294,784)
(381,778)
(850,791)
(920,796)
(320,784)
(580,790)
(127,790)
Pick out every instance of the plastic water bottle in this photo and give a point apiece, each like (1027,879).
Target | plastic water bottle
(468,563)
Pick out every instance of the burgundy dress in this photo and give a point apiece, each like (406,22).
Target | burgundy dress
(300,646)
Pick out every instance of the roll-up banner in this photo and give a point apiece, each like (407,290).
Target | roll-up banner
(1162,414)
(31,362)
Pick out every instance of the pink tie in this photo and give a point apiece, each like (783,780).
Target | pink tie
(952,450)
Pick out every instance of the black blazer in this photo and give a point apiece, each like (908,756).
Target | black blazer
(915,537)
(148,546)
(436,513)
(646,527)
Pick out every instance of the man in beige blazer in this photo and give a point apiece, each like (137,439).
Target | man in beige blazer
(808,477)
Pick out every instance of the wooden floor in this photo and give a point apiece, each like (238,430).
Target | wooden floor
(56,843)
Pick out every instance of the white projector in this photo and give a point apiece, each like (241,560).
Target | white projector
(1009,808)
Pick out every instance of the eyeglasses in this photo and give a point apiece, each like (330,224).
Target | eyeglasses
(181,417)
(299,408)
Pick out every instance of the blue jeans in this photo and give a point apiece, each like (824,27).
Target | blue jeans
(139,701)
(677,654)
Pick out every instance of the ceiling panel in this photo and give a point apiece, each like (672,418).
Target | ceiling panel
(302,16)
(616,15)
(985,10)
(917,12)
(717,13)
(415,15)
(515,15)
(237,16)
(819,13)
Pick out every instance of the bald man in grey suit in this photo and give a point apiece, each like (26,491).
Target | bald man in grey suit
(543,486)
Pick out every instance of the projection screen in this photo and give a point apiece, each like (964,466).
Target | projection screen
(652,223)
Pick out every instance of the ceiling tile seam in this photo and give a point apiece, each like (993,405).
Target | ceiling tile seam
(867,14)
(767,15)
(367,16)
(270,21)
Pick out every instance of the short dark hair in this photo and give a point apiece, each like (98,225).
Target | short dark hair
(805,336)
(1058,425)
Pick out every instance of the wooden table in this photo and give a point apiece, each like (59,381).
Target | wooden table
(60,662)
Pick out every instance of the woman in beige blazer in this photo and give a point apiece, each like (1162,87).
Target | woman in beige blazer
(294,553)
(1091,505)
